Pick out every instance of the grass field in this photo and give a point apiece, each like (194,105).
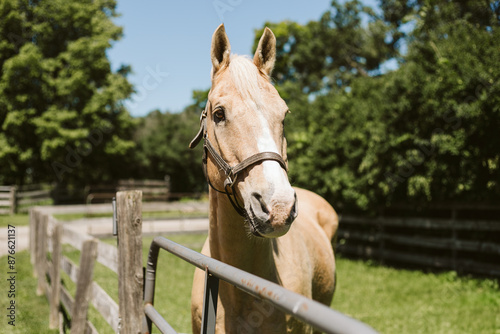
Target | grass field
(32,312)
(402,301)
(16,220)
(390,300)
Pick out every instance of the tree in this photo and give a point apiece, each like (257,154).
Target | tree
(162,146)
(424,132)
(61,112)
(327,54)
(446,113)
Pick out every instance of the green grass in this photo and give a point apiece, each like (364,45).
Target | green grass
(75,216)
(32,313)
(403,301)
(173,214)
(17,219)
(390,300)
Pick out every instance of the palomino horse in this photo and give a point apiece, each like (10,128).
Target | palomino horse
(252,204)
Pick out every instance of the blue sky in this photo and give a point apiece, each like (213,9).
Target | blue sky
(167,43)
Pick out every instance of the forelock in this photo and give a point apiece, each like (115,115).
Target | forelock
(245,77)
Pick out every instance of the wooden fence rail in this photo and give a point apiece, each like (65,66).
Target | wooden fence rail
(466,246)
(14,199)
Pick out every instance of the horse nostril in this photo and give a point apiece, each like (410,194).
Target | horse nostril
(260,200)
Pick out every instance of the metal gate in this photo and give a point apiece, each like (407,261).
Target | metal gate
(309,311)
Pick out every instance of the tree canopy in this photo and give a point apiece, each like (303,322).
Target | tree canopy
(61,112)
(426,131)
(398,103)
(162,147)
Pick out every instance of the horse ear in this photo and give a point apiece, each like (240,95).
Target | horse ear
(265,55)
(221,49)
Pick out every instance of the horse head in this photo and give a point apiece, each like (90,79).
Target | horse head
(243,125)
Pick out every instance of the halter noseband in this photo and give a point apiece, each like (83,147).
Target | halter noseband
(231,172)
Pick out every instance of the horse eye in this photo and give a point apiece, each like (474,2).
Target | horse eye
(219,115)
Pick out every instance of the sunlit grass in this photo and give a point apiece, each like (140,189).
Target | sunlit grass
(19,219)
(390,300)
(32,311)
(403,301)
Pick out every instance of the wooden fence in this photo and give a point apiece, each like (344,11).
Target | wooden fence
(14,199)
(48,234)
(464,245)
(7,199)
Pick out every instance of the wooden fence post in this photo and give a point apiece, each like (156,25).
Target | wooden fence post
(83,286)
(33,239)
(13,200)
(130,274)
(41,253)
(55,277)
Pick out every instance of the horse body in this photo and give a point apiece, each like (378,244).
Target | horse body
(301,261)
(264,241)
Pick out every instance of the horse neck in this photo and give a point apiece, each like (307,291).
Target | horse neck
(230,242)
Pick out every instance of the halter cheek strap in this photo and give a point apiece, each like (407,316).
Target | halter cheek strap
(230,172)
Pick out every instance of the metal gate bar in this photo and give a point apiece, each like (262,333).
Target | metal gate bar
(303,308)
(209,303)
(158,320)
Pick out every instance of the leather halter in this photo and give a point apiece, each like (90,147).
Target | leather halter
(230,172)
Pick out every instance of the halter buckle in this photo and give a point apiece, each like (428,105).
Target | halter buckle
(229,181)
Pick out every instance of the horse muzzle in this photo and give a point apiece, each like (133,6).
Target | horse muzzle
(272,219)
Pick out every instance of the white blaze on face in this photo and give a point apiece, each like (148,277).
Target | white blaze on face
(273,172)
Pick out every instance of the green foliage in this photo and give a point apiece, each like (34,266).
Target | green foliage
(424,132)
(341,146)
(60,103)
(448,116)
(331,52)
(162,148)
(359,136)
